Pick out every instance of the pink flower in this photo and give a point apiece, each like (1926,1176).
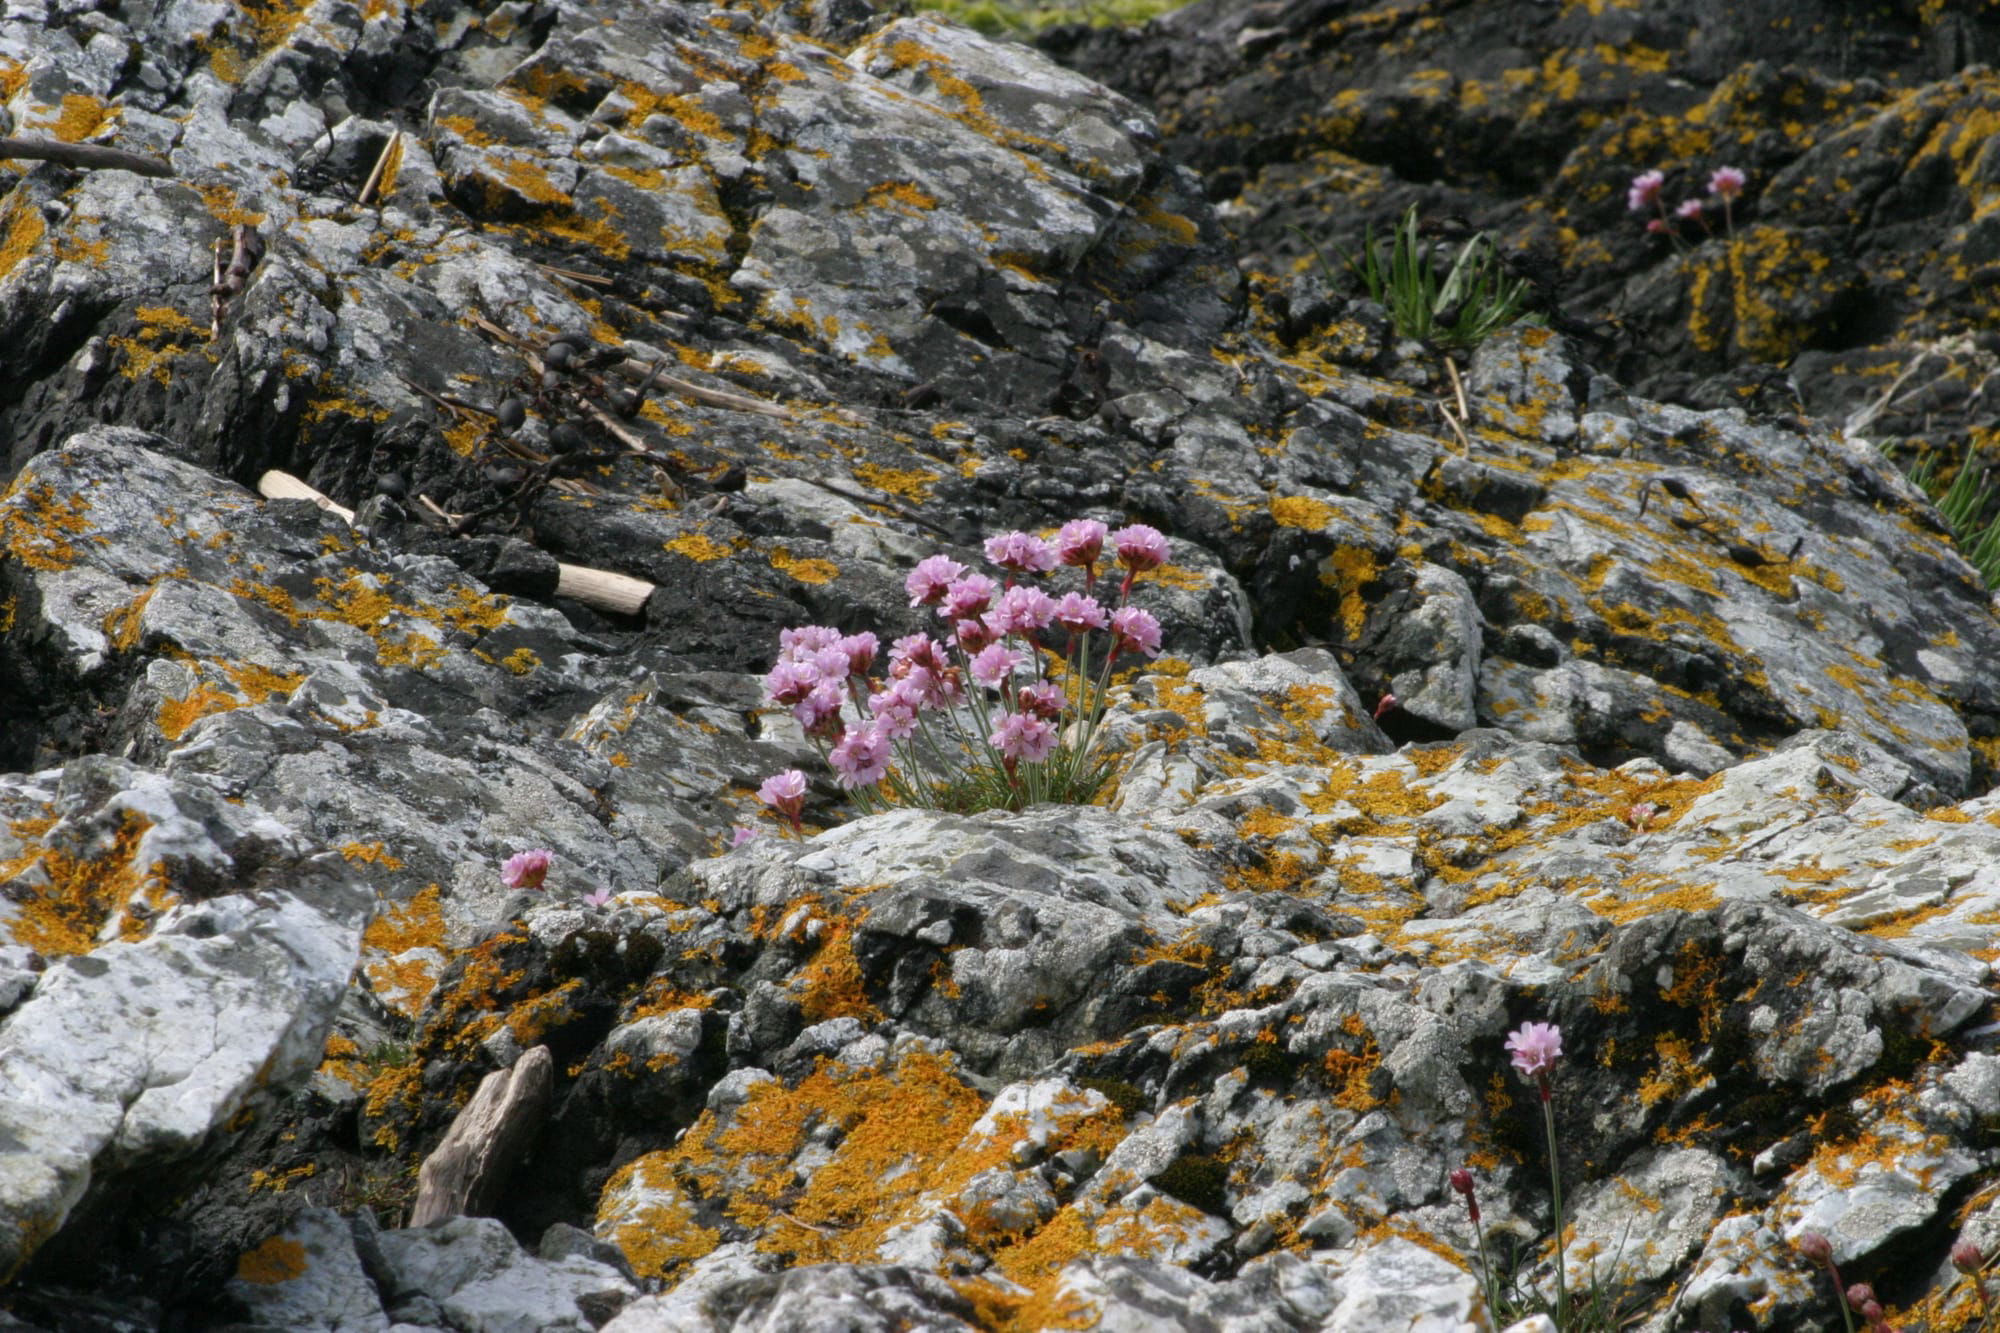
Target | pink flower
(1967,1257)
(1140,548)
(785,793)
(861,757)
(738,835)
(597,899)
(819,712)
(1726,182)
(915,652)
(994,663)
(1535,1047)
(1079,542)
(1384,704)
(1688,210)
(526,870)
(789,681)
(1816,1248)
(1135,631)
(895,718)
(860,649)
(1659,227)
(1044,699)
(1020,736)
(1645,191)
(831,662)
(971,636)
(1078,613)
(1021,610)
(1640,814)
(968,597)
(928,581)
(807,639)
(1022,552)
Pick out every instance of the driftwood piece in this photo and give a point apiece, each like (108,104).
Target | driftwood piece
(386,166)
(463,1176)
(620,594)
(83,155)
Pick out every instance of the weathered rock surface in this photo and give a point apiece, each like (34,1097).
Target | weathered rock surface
(1691,750)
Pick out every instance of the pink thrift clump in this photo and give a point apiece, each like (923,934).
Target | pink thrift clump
(1726,182)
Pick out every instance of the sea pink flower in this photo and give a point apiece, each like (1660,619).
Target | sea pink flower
(1816,1248)
(1535,1048)
(738,835)
(972,635)
(895,718)
(1021,610)
(1659,227)
(805,640)
(1078,613)
(1726,182)
(597,899)
(1044,699)
(1967,1257)
(789,681)
(1384,704)
(860,649)
(968,597)
(994,663)
(1139,547)
(831,662)
(861,757)
(1645,191)
(1135,631)
(526,870)
(819,711)
(1021,552)
(928,581)
(916,651)
(1020,736)
(1461,1183)
(1688,210)
(1079,542)
(785,793)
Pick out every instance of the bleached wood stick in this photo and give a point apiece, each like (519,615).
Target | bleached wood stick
(620,594)
(392,151)
(82,155)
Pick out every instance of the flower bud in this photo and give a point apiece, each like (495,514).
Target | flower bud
(1461,1180)
(1860,1294)
(1967,1258)
(1816,1248)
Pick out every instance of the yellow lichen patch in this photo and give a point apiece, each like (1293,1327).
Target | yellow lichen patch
(121,624)
(416,925)
(64,913)
(1347,571)
(1298,511)
(900,196)
(79,117)
(259,683)
(521,661)
(221,203)
(475,612)
(658,1233)
(277,1182)
(804,569)
(371,853)
(698,546)
(910,483)
(36,527)
(153,350)
(279,1259)
(23,231)
(204,700)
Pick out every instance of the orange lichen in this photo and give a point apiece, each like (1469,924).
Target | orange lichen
(65,912)
(279,1259)
(36,527)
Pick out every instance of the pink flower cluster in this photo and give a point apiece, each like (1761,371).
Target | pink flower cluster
(1647,194)
(992,665)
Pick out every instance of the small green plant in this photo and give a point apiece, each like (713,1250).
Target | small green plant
(1535,1049)
(1002,18)
(1962,504)
(1474,299)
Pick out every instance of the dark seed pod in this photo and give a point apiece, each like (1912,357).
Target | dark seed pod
(625,405)
(551,380)
(503,475)
(1675,487)
(392,484)
(558,354)
(732,479)
(1748,556)
(1684,523)
(567,439)
(513,414)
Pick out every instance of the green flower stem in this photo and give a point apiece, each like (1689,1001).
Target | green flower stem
(1556,1191)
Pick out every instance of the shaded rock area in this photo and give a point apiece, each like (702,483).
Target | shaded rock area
(1501,693)
(1854,277)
